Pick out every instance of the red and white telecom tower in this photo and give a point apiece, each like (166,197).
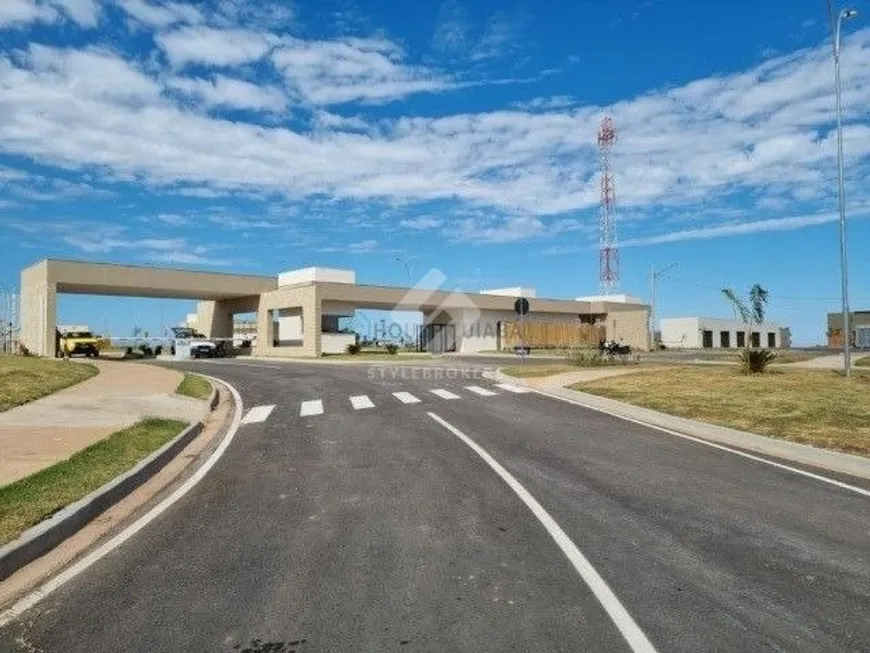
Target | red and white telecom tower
(609,252)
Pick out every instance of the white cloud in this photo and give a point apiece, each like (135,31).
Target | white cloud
(161,15)
(335,72)
(766,131)
(16,13)
(173,219)
(84,12)
(327,120)
(23,12)
(109,239)
(501,35)
(223,91)
(215,47)
(262,13)
(451,28)
(741,228)
(422,223)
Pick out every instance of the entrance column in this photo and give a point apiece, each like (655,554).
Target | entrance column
(312,312)
(38,312)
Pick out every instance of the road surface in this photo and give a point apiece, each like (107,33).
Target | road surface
(365,511)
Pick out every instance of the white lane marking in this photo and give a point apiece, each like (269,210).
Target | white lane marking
(444,394)
(28,601)
(258,414)
(714,445)
(483,392)
(512,388)
(310,408)
(361,402)
(406,397)
(624,622)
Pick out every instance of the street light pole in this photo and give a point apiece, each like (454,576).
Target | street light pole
(407,269)
(653,281)
(836,26)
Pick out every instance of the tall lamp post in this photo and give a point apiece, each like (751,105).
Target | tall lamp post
(654,276)
(407,269)
(836,25)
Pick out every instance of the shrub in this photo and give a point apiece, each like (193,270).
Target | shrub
(755,361)
(586,358)
(128,352)
(353,349)
(392,349)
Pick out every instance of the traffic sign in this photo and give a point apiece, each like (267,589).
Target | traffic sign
(521,306)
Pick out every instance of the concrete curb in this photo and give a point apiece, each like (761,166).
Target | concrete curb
(804,454)
(42,538)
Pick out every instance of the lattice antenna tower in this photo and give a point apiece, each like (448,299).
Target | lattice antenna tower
(609,252)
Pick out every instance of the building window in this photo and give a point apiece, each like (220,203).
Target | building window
(771,339)
(741,338)
(756,339)
(725,339)
(707,340)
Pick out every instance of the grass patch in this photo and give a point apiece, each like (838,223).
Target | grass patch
(531,371)
(26,378)
(193,385)
(820,408)
(30,500)
(863,362)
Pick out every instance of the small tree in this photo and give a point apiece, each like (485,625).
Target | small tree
(752,313)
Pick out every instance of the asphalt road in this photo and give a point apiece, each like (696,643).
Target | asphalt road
(381,529)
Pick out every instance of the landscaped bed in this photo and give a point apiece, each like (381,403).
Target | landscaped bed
(820,408)
(195,386)
(30,500)
(26,378)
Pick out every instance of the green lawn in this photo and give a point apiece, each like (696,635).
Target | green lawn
(25,378)
(863,362)
(820,408)
(193,385)
(30,500)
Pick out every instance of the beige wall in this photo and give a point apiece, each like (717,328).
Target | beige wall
(38,311)
(307,298)
(631,326)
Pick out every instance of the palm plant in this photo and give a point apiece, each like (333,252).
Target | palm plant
(751,312)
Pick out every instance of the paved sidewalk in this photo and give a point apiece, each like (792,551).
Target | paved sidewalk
(51,429)
(834,461)
(834,362)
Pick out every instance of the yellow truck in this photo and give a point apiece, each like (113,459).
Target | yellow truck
(77,340)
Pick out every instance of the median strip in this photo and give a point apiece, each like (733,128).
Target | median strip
(35,498)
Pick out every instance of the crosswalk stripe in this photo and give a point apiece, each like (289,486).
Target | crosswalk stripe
(512,388)
(483,392)
(257,414)
(310,408)
(406,397)
(361,402)
(444,394)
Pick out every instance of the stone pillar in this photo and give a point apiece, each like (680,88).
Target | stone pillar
(39,317)
(311,316)
(214,319)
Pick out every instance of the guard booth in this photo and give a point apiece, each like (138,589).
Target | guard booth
(436,338)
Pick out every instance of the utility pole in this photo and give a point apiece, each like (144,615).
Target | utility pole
(654,276)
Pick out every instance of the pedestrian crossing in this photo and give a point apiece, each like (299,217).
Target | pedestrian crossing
(315,407)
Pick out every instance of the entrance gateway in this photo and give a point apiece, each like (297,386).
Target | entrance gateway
(298,311)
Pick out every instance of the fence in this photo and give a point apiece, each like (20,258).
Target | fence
(550,335)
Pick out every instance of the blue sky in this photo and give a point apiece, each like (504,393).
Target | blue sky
(459,135)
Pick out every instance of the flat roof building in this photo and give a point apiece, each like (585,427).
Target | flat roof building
(713,333)
(298,312)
